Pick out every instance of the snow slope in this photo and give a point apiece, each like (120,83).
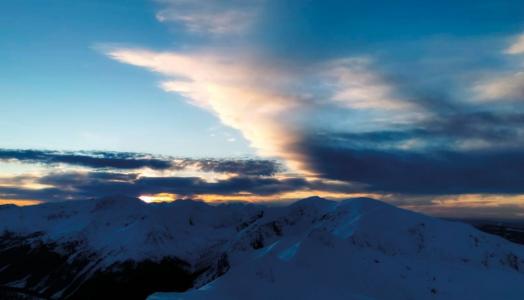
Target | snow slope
(120,228)
(77,244)
(312,249)
(364,249)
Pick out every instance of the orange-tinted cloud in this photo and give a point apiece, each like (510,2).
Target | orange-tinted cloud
(20,202)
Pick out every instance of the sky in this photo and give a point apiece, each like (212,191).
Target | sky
(417,104)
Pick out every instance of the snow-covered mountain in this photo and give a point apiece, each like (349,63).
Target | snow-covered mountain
(312,249)
(115,245)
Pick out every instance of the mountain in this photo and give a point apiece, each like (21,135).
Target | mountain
(118,246)
(360,248)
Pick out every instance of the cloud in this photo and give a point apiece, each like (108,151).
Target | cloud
(216,18)
(468,206)
(357,87)
(117,160)
(133,161)
(502,87)
(461,130)
(271,105)
(517,47)
(240,93)
(428,171)
(505,85)
(250,167)
(280,114)
(194,186)
(74,185)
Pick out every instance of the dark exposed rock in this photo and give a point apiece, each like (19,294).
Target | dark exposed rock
(33,269)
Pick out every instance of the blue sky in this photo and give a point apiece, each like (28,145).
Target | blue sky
(60,92)
(419,104)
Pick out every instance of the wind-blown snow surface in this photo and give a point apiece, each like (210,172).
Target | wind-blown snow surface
(312,249)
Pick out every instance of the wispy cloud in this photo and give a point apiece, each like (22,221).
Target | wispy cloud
(216,18)
(506,84)
(356,86)
(474,206)
(517,47)
(502,87)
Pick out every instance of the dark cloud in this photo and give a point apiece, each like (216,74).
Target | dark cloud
(131,161)
(448,130)
(465,151)
(489,126)
(77,185)
(116,160)
(482,211)
(46,194)
(427,171)
(245,167)
(234,185)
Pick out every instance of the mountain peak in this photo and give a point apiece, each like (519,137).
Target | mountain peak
(313,201)
(116,201)
(364,203)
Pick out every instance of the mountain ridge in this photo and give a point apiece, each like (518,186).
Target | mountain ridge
(125,247)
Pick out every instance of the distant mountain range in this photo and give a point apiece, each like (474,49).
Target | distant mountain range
(123,248)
